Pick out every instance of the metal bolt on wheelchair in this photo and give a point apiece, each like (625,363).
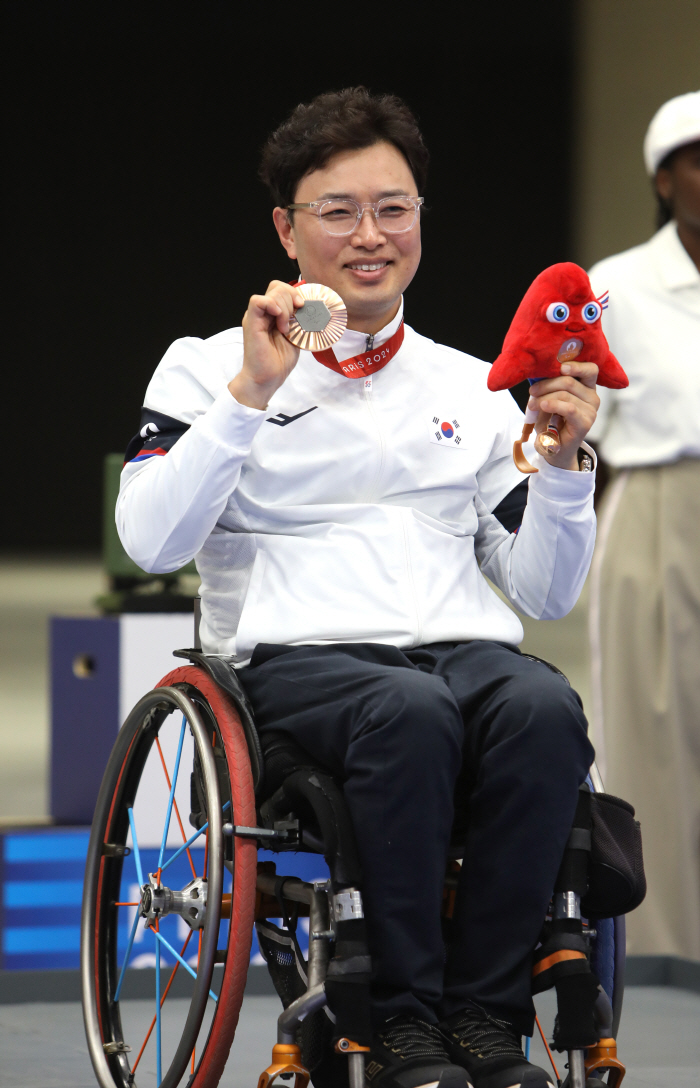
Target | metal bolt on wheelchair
(181,901)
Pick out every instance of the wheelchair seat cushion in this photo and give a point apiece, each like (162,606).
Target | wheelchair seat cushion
(282,756)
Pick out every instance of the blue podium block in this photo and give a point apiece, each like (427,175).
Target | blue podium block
(84,712)
(100,667)
(41,873)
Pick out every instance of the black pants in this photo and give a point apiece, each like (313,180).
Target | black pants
(406,731)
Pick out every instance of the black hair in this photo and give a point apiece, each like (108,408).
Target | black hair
(346,120)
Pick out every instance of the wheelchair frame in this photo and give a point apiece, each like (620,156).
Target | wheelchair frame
(231,774)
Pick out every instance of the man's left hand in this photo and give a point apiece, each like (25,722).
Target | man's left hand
(573,398)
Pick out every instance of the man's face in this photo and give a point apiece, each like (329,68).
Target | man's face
(680,185)
(371,294)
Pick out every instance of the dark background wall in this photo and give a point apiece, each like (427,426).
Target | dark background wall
(136,216)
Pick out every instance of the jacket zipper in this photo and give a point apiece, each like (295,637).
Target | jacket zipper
(367,392)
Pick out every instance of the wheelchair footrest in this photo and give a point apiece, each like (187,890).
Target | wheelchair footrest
(603,1057)
(286,1062)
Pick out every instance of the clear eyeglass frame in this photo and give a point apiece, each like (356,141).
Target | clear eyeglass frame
(376,207)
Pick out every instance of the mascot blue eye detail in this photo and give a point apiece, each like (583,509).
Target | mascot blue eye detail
(557,312)
(591,312)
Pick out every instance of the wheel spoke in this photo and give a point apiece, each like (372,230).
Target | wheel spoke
(177,810)
(127,957)
(171,798)
(159,1041)
(137,852)
(192,838)
(162,1000)
(184,963)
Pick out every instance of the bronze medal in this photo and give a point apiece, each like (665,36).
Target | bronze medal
(320,322)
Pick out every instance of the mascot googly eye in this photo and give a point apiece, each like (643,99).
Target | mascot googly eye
(557,312)
(591,312)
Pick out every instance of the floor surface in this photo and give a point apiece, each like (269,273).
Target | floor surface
(42,1046)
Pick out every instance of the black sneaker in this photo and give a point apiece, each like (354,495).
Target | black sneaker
(490,1051)
(408,1053)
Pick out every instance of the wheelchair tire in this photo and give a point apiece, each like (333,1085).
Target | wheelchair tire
(603,955)
(609,948)
(213,723)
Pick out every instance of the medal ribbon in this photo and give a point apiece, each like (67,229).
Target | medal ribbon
(368,362)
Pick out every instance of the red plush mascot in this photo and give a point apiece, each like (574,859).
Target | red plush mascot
(557,321)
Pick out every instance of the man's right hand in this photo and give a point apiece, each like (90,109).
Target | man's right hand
(268,359)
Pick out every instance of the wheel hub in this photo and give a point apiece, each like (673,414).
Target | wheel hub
(190,903)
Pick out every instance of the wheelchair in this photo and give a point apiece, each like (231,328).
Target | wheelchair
(184,901)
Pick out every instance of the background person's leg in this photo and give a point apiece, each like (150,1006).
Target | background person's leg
(647,641)
(393,733)
(525,754)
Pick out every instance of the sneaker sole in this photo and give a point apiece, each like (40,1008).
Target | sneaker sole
(529,1082)
(520,1084)
(528,1077)
(451,1078)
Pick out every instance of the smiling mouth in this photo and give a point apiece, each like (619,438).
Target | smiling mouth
(367,266)
(574,328)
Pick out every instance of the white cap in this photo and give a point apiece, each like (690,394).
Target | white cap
(675,124)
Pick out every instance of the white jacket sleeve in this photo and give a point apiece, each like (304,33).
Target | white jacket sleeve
(171,499)
(168,505)
(541,568)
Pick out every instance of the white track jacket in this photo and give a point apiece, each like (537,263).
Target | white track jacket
(350,510)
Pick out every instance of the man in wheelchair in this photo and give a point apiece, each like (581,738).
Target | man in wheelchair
(343,510)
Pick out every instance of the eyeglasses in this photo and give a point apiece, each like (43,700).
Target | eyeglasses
(393,214)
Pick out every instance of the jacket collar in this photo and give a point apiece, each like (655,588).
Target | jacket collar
(674,264)
(354,343)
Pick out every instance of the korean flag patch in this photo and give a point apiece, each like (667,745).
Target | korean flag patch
(444,430)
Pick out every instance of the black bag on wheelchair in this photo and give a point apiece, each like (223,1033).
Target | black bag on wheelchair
(616,881)
(287,968)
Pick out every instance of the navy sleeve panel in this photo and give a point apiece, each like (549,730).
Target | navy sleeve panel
(511,509)
(157,435)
